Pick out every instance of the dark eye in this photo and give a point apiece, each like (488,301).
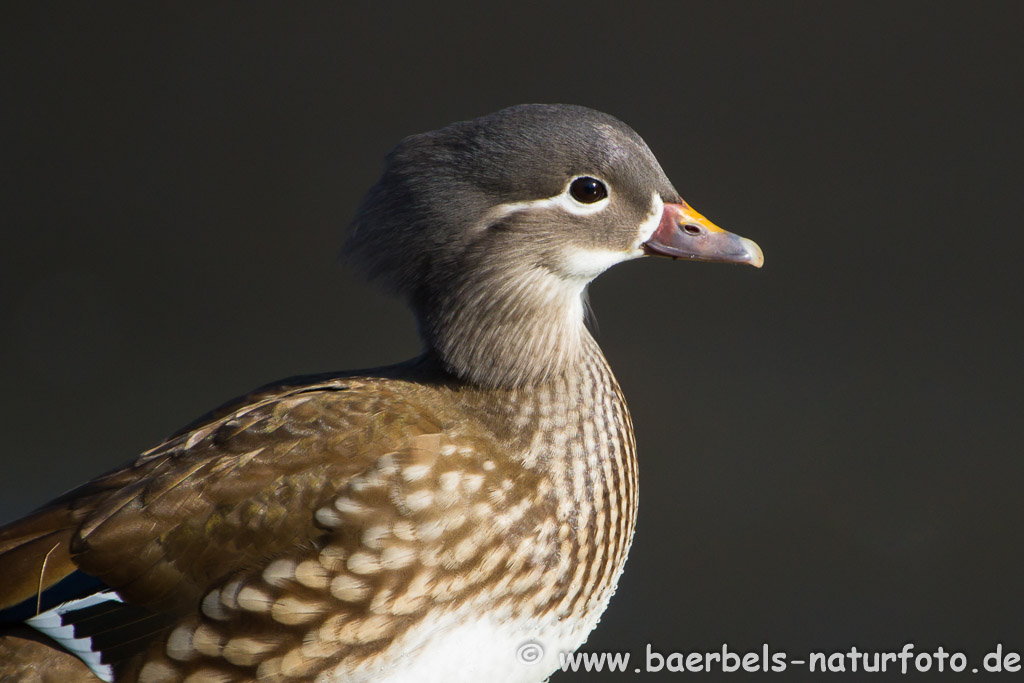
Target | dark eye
(587,190)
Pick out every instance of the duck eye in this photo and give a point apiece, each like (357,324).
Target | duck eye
(587,190)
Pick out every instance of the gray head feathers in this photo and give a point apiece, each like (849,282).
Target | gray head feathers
(465,224)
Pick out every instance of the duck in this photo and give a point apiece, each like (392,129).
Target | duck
(461,516)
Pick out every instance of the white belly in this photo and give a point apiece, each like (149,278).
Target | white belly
(452,648)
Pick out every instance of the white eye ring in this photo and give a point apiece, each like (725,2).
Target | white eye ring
(587,189)
(575,205)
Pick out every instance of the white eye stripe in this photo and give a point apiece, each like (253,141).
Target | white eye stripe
(563,200)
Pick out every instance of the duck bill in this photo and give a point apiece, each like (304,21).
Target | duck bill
(684,233)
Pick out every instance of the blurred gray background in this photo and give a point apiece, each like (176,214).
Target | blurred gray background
(830,447)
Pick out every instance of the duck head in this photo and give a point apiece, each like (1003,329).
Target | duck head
(492,228)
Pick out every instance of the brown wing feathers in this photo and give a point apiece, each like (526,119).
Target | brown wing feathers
(34,555)
(225,496)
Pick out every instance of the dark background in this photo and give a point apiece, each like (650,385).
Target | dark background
(830,447)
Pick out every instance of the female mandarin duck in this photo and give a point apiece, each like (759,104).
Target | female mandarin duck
(463,516)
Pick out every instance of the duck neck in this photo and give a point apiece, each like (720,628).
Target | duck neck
(501,330)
